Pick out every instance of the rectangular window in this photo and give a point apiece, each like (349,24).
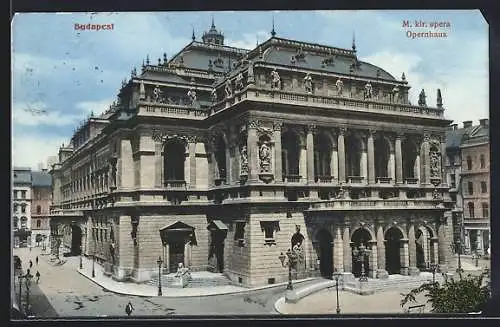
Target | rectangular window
(469,163)
(484,187)
(269,227)
(23,194)
(23,208)
(15,194)
(239,233)
(38,223)
(453,180)
(470,188)
(485,210)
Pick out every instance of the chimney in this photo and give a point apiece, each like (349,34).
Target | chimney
(484,122)
(467,123)
(454,126)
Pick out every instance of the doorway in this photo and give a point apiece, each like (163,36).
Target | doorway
(393,245)
(217,249)
(76,240)
(175,256)
(325,253)
(360,236)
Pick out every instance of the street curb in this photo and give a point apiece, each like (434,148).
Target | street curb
(282,299)
(204,295)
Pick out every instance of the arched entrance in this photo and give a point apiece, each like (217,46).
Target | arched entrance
(76,240)
(360,236)
(325,253)
(393,246)
(423,246)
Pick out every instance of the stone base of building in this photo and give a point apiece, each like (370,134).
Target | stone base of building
(404,271)
(413,271)
(142,275)
(382,274)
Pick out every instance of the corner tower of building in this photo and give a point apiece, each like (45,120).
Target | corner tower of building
(213,36)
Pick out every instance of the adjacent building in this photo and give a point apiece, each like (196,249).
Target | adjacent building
(222,159)
(41,183)
(21,207)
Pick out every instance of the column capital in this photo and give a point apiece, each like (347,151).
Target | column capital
(342,131)
(277,126)
(253,123)
(311,128)
(371,132)
(427,137)
(400,135)
(192,138)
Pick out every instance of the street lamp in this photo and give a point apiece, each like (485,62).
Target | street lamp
(293,257)
(360,253)
(28,284)
(20,278)
(457,246)
(93,263)
(433,269)
(159,262)
(81,259)
(336,276)
(476,257)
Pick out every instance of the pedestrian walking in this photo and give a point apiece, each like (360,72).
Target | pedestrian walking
(36,260)
(37,276)
(129,308)
(31,264)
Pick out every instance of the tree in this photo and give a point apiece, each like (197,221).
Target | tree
(463,295)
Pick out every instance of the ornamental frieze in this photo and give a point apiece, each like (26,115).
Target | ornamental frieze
(164,136)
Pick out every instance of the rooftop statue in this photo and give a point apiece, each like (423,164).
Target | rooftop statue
(275,80)
(339,84)
(308,83)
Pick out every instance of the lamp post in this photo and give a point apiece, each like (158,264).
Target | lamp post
(28,284)
(20,278)
(476,256)
(336,276)
(159,262)
(457,246)
(360,253)
(81,259)
(93,263)
(293,257)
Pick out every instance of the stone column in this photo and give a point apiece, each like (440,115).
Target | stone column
(334,163)
(303,162)
(426,158)
(417,168)
(192,162)
(412,249)
(167,257)
(404,256)
(341,155)
(391,167)
(215,165)
(252,151)
(364,162)
(278,173)
(479,241)
(158,164)
(346,240)
(399,159)
(186,254)
(371,157)
(338,251)
(229,168)
(381,272)
(373,259)
(441,248)
(434,246)
(443,161)
(310,152)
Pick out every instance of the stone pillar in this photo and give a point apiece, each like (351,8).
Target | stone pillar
(412,255)
(341,155)
(278,173)
(443,161)
(338,251)
(404,253)
(399,159)
(373,259)
(310,153)
(186,254)
(417,168)
(229,168)
(364,162)
(167,257)
(371,157)
(479,241)
(391,171)
(334,164)
(158,165)
(346,240)
(215,165)
(252,152)
(303,162)
(426,158)
(434,247)
(192,162)
(441,249)
(381,272)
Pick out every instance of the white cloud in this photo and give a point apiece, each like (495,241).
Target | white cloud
(249,40)
(28,151)
(97,107)
(38,113)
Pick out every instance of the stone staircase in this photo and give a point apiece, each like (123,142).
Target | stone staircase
(395,282)
(198,279)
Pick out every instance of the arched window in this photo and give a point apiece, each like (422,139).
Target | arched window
(38,223)
(322,155)
(485,210)
(469,163)
(353,156)
(471,209)
(220,158)
(38,209)
(24,222)
(482,161)
(382,153)
(290,144)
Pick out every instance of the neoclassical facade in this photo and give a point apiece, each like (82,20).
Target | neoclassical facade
(216,157)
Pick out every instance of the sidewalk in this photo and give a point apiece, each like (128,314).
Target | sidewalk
(130,288)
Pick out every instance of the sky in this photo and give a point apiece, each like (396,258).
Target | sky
(60,75)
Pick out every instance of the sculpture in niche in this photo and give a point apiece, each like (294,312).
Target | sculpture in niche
(275,80)
(156,94)
(297,238)
(213,95)
(340,85)
(421,98)
(308,83)
(228,89)
(239,82)
(395,94)
(265,157)
(368,91)
(435,158)
(243,160)
(192,96)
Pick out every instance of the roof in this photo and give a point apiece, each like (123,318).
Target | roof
(472,134)
(22,175)
(41,179)
(477,134)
